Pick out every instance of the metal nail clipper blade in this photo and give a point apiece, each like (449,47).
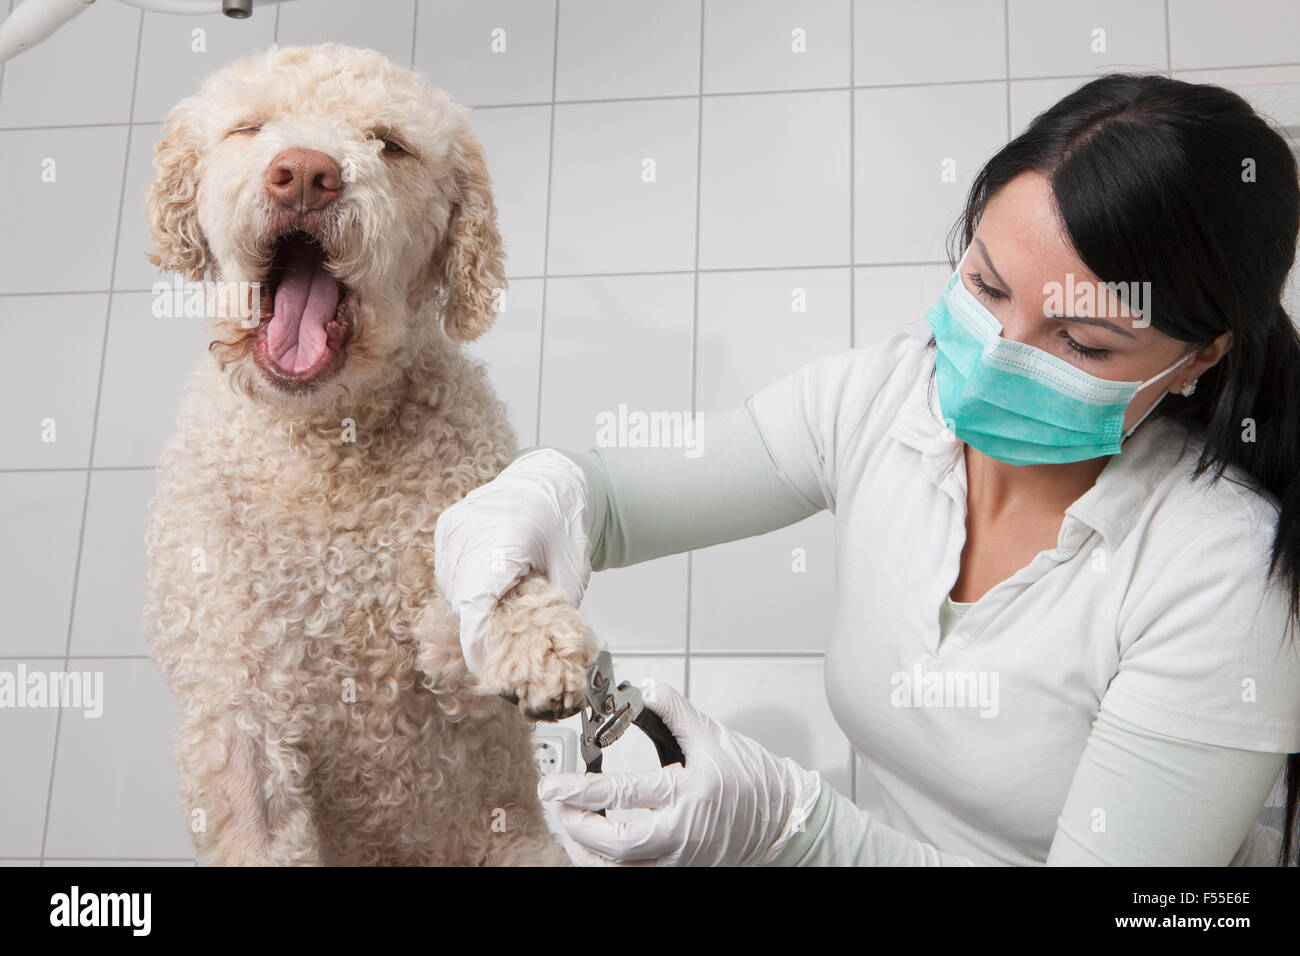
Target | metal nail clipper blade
(609,710)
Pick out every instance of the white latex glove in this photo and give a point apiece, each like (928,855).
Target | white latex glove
(532,516)
(733,804)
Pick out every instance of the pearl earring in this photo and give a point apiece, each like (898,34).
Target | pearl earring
(1188,388)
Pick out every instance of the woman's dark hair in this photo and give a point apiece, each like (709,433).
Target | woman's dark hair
(1185,186)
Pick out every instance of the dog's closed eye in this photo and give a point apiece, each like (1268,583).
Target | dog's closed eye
(391,144)
(252,128)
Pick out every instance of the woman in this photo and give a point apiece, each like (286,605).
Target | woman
(1060,638)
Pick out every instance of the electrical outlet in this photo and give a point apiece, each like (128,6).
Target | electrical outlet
(556,749)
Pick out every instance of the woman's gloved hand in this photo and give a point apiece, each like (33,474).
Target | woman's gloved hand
(733,804)
(531,517)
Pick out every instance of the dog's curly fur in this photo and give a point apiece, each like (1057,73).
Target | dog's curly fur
(326,713)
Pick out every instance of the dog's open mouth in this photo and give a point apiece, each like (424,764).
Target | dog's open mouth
(307,315)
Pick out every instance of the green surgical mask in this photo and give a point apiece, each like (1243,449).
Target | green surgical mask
(1017,403)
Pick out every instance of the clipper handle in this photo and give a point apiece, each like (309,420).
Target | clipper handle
(665,743)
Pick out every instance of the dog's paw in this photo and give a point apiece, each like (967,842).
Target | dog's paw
(537,652)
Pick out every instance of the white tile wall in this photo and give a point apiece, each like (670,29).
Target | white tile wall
(386,25)
(910,187)
(146,362)
(1055,37)
(625,48)
(488,52)
(63,190)
(133,270)
(587,367)
(929,41)
(518,139)
(116,794)
(106,618)
(758,45)
(53,349)
(27,750)
(44,90)
(623,178)
(176,53)
(510,348)
(1203,33)
(752,213)
(706,159)
(41,514)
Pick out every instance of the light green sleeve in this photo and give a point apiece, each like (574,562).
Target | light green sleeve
(1138,798)
(840,833)
(648,502)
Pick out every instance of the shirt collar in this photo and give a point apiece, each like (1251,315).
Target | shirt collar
(1110,507)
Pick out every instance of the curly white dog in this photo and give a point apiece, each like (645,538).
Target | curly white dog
(326,713)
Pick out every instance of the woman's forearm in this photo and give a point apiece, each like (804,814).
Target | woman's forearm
(839,833)
(649,502)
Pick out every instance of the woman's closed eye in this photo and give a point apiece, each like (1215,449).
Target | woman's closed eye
(983,288)
(1084,350)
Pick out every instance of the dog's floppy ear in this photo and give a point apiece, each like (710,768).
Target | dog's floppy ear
(470,263)
(171,201)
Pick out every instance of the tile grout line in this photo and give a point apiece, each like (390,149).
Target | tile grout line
(853,300)
(90,456)
(546,220)
(116,860)
(874,87)
(695,324)
(41,471)
(415,22)
(77,657)
(8,8)
(774,92)
(1006,55)
(1169,45)
(853,177)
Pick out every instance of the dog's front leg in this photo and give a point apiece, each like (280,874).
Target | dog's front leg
(222,791)
(243,800)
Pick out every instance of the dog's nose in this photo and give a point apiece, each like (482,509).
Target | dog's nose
(304,179)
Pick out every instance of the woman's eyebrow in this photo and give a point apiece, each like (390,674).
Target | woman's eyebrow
(989,262)
(1086,320)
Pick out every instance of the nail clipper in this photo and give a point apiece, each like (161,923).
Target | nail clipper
(608,710)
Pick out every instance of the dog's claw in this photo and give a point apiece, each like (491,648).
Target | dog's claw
(557,710)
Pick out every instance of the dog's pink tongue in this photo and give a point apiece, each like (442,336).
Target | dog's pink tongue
(307,298)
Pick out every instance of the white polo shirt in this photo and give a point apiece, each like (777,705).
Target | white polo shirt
(1152,606)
